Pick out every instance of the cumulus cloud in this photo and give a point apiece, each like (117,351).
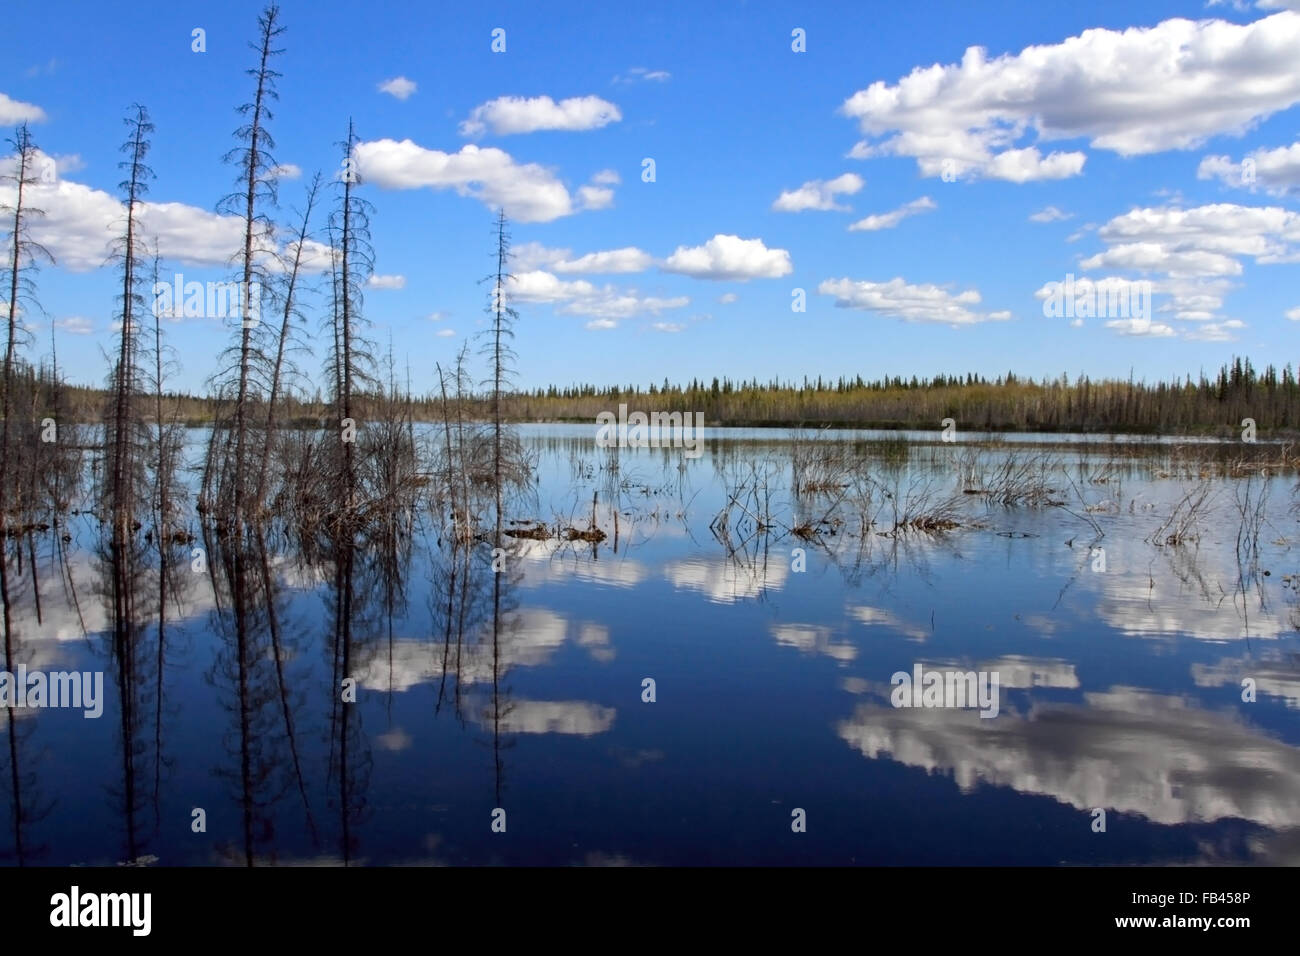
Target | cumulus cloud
(1144,328)
(386,282)
(604,304)
(1216,331)
(286,171)
(628,259)
(530,256)
(1276,171)
(1265,233)
(1194,254)
(914,303)
(727,298)
(1050,214)
(595,197)
(398,87)
(80,225)
(527,256)
(527,192)
(1155,257)
(889,220)
(13,112)
(508,115)
(1293,314)
(819,194)
(1137,91)
(730,257)
(75,325)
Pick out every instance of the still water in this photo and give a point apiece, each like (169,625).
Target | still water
(1149,692)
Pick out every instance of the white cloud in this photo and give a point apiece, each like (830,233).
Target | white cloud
(528,192)
(1156,257)
(1216,331)
(507,115)
(386,282)
(445,333)
(914,303)
(13,112)
(80,224)
(399,87)
(1144,328)
(607,177)
(1137,91)
(727,298)
(640,73)
(286,171)
(730,257)
(1275,171)
(889,220)
(527,256)
(1029,165)
(1293,314)
(595,197)
(667,326)
(1050,214)
(437,316)
(49,168)
(598,324)
(531,256)
(818,194)
(1195,252)
(580,297)
(75,325)
(628,259)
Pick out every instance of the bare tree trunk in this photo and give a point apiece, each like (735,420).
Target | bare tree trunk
(286,323)
(255,167)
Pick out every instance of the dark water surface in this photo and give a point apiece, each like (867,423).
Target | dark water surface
(1121,663)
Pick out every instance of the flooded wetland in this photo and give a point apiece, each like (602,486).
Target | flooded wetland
(663,657)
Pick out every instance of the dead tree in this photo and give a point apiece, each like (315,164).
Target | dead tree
(257,182)
(351,362)
(290,313)
(125,431)
(24,255)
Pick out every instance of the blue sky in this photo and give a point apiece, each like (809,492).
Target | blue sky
(889,170)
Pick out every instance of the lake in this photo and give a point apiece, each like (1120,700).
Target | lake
(715,681)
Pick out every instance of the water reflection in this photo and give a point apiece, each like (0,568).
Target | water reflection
(369,690)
